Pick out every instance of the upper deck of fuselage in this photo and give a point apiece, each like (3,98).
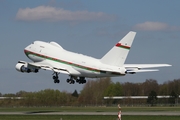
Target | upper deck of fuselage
(54,50)
(37,46)
(48,44)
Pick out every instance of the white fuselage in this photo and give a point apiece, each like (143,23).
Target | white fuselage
(51,56)
(79,65)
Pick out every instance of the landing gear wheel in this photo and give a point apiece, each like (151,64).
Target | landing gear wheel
(56,81)
(70,81)
(74,79)
(55,77)
(81,80)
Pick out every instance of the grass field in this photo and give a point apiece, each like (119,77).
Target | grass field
(87,117)
(84,117)
(88,109)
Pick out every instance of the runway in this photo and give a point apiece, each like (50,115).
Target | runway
(167,113)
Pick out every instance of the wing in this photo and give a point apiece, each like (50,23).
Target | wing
(133,68)
(44,66)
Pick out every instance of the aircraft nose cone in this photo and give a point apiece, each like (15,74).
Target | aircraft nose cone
(26,52)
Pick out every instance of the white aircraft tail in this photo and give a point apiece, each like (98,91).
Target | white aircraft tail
(117,55)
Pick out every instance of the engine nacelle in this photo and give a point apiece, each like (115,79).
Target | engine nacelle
(21,68)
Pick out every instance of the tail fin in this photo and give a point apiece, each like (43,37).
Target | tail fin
(117,55)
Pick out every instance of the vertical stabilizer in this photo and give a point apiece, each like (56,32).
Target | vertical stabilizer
(117,55)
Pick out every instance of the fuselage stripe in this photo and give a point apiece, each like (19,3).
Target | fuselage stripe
(62,61)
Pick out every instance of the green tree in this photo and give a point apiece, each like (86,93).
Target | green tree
(93,91)
(150,85)
(152,98)
(75,94)
(114,89)
(173,97)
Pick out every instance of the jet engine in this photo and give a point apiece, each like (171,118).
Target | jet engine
(21,67)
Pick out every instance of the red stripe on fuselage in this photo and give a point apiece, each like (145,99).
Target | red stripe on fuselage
(61,61)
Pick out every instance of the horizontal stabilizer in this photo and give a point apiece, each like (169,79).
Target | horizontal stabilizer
(145,70)
(140,66)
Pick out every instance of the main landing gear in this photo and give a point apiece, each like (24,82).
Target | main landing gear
(72,79)
(81,80)
(55,78)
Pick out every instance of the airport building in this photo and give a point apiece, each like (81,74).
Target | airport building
(141,100)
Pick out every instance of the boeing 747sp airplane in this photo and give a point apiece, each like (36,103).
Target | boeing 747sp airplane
(51,56)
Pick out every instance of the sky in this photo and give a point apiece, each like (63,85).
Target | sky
(88,27)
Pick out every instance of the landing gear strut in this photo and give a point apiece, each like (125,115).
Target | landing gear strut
(55,77)
(71,80)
